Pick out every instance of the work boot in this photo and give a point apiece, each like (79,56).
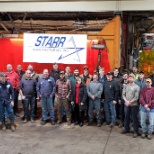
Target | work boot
(32,120)
(59,122)
(112,125)
(98,124)
(69,123)
(3,126)
(149,137)
(25,121)
(135,135)
(52,122)
(12,126)
(125,131)
(143,135)
(43,122)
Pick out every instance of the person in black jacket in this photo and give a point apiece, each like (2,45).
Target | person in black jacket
(78,100)
(110,99)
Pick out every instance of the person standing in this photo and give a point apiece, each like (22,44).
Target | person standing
(141,82)
(130,95)
(13,78)
(135,72)
(86,76)
(122,102)
(94,91)
(78,99)
(6,101)
(35,76)
(147,108)
(27,90)
(45,91)
(111,92)
(20,72)
(55,72)
(68,72)
(63,91)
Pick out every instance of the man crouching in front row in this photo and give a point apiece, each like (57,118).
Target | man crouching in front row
(6,101)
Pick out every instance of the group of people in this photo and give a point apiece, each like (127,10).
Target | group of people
(128,97)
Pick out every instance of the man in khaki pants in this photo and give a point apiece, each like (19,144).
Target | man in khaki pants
(63,90)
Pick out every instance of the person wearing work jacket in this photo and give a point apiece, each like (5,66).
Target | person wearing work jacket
(46,88)
(94,90)
(110,96)
(6,101)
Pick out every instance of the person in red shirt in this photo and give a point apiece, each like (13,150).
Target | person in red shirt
(78,100)
(147,108)
(13,78)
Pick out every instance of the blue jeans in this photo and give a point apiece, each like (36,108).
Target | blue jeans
(131,112)
(6,105)
(94,104)
(29,100)
(110,112)
(144,116)
(47,105)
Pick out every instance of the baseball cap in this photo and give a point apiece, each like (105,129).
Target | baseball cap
(85,67)
(109,73)
(131,76)
(2,74)
(141,72)
(61,72)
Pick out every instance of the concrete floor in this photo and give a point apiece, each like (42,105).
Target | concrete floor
(63,139)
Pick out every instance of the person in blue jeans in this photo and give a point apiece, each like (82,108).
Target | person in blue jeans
(6,101)
(94,91)
(110,96)
(27,90)
(46,88)
(147,109)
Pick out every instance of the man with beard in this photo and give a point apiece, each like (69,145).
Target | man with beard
(74,77)
(63,91)
(130,95)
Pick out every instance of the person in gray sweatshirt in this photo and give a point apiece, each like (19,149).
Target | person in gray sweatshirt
(94,90)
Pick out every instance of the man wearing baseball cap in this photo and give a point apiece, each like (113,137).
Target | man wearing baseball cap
(110,88)
(6,101)
(130,95)
(147,103)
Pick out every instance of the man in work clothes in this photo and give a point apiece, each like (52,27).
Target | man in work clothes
(130,95)
(27,90)
(6,101)
(45,91)
(147,108)
(94,90)
(13,78)
(63,91)
(111,92)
